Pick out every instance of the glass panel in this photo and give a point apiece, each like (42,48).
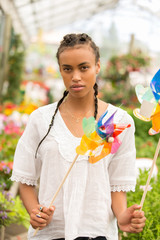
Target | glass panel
(20,3)
(152,5)
(49,14)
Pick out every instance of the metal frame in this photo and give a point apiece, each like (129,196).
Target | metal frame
(28,16)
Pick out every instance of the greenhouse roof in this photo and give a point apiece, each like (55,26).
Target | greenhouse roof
(31,16)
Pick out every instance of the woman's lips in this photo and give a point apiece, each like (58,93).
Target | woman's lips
(77,87)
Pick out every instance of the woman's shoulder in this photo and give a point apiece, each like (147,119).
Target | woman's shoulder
(47,109)
(43,112)
(121,115)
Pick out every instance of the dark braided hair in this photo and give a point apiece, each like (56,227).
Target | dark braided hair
(95,87)
(69,41)
(52,120)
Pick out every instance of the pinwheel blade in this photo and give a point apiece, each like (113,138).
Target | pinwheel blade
(105,129)
(144,93)
(119,128)
(87,145)
(155,85)
(104,152)
(115,145)
(88,125)
(137,114)
(110,120)
(155,121)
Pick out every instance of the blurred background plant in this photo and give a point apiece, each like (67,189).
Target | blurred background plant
(11,209)
(118,88)
(16,68)
(118,67)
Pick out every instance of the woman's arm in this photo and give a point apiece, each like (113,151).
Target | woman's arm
(30,200)
(129,219)
(29,196)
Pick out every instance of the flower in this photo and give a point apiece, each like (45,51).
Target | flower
(143,187)
(6,167)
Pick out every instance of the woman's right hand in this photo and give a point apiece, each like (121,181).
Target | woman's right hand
(41,216)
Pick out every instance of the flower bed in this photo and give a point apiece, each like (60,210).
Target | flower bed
(13,119)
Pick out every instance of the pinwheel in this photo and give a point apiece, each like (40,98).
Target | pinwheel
(150,111)
(99,140)
(150,103)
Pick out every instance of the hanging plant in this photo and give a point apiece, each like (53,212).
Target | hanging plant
(16,64)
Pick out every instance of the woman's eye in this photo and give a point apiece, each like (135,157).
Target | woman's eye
(84,67)
(66,69)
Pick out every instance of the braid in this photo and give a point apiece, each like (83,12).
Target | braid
(52,120)
(95,99)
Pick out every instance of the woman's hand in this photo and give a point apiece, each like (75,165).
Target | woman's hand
(132,220)
(41,216)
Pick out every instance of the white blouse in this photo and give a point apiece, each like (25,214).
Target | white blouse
(83,205)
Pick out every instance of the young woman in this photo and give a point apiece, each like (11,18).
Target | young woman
(93,199)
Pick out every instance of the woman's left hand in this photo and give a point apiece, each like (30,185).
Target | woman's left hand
(132,220)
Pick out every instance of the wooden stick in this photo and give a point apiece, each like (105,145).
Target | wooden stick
(59,188)
(150,174)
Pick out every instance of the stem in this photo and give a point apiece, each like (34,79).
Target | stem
(150,174)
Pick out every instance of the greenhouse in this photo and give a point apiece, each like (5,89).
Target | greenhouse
(79,119)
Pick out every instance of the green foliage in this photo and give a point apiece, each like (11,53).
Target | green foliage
(7,148)
(151,208)
(16,63)
(12,210)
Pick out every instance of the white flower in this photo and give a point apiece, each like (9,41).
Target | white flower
(144,186)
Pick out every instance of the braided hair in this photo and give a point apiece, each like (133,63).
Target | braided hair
(69,41)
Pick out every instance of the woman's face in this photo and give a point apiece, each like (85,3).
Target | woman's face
(78,69)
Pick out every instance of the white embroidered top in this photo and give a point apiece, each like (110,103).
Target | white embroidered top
(83,205)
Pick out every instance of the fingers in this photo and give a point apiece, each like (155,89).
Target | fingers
(37,221)
(41,216)
(133,208)
(138,221)
(138,214)
(48,211)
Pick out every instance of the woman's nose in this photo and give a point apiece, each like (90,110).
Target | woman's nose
(76,76)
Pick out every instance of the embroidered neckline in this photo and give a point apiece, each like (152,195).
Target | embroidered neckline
(65,126)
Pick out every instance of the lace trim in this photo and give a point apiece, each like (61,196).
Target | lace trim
(123,188)
(23,180)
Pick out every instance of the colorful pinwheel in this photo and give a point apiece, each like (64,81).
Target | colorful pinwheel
(150,110)
(150,103)
(100,139)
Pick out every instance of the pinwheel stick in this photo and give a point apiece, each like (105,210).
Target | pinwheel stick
(150,174)
(60,186)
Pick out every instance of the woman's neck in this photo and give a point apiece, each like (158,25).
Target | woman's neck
(80,104)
